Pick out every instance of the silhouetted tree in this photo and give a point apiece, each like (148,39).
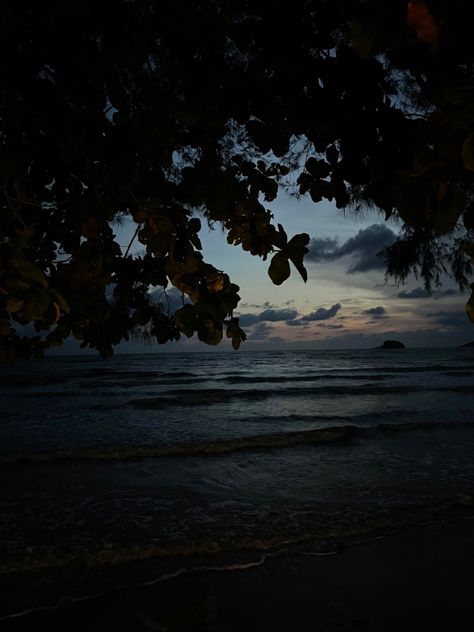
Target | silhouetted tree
(170,113)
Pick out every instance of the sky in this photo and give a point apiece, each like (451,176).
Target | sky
(346,302)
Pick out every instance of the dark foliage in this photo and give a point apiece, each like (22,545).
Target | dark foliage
(175,112)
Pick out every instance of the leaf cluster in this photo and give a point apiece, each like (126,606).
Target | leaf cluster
(170,114)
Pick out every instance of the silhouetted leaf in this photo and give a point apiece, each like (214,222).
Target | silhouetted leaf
(186,320)
(279,269)
(470,305)
(468,152)
(209,331)
(36,306)
(365,103)
(14,303)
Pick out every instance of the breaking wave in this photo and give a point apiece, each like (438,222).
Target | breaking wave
(322,538)
(316,436)
(195,397)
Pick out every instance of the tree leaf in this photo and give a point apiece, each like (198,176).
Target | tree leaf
(60,300)
(28,270)
(420,19)
(209,331)
(362,40)
(186,320)
(14,303)
(296,251)
(279,269)
(468,152)
(318,168)
(215,282)
(470,305)
(36,306)
(235,332)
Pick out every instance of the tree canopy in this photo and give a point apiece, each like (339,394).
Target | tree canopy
(170,114)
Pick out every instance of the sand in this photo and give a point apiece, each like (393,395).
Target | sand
(420,578)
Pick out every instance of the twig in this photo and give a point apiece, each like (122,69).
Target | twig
(132,239)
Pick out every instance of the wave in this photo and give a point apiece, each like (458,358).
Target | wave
(324,539)
(114,453)
(353,373)
(464,388)
(171,374)
(428,368)
(250,379)
(458,373)
(195,397)
(109,377)
(316,436)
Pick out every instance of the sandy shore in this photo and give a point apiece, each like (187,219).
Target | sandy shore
(420,578)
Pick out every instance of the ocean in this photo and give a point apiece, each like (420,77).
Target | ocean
(144,467)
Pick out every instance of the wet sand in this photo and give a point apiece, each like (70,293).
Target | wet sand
(420,578)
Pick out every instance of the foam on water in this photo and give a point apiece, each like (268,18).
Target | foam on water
(185,458)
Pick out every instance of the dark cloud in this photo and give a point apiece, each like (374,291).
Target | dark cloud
(297,322)
(331,325)
(322,249)
(420,292)
(266,305)
(323,313)
(245,320)
(454,318)
(375,312)
(275,315)
(270,315)
(364,248)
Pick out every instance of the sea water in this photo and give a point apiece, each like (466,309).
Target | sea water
(141,466)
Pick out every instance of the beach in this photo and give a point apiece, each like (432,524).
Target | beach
(419,578)
(225,492)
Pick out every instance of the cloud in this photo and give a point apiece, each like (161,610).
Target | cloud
(261,332)
(270,315)
(420,292)
(444,293)
(266,305)
(297,322)
(450,318)
(274,315)
(323,313)
(322,249)
(364,248)
(331,325)
(245,320)
(376,312)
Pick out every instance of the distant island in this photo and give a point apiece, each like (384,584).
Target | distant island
(391,344)
(468,344)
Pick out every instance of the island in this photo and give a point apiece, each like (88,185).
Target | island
(468,344)
(392,344)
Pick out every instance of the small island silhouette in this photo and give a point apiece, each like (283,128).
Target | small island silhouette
(468,344)
(391,344)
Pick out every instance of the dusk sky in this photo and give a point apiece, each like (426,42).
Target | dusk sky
(345,303)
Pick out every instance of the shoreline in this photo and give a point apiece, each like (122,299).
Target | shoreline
(416,576)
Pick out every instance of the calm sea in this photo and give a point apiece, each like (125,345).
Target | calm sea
(149,465)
